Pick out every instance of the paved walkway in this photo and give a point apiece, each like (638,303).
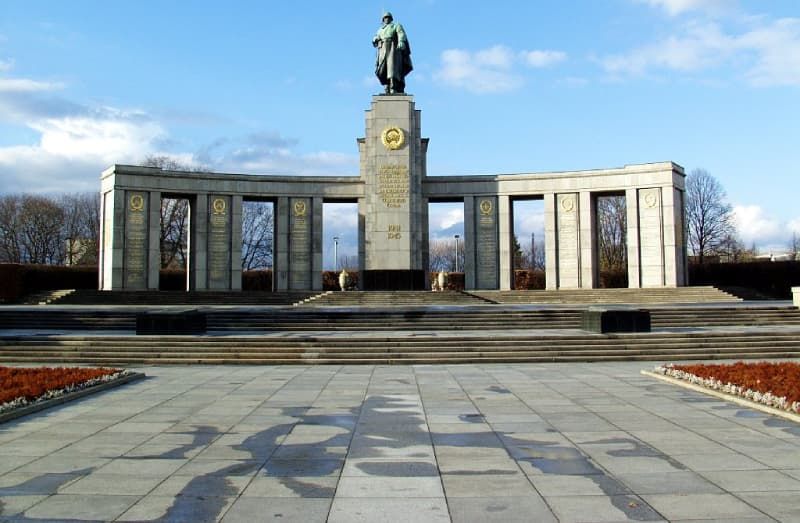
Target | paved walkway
(556,442)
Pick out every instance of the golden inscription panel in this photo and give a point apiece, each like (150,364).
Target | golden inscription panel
(393,185)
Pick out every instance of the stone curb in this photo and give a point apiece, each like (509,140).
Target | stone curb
(724,396)
(41,405)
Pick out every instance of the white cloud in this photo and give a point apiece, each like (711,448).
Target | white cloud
(766,54)
(543,58)
(676,7)
(24,85)
(486,71)
(450,218)
(6,65)
(754,225)
(490,70)
(794,226)
(777,49)
(701,46)
(117,138)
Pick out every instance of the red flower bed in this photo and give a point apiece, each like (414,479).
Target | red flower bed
(32,383)
(779,379)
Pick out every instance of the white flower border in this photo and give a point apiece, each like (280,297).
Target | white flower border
(765,398)
(55,393)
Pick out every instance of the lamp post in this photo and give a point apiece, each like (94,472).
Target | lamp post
(457,237)
(533,250)
(336,253)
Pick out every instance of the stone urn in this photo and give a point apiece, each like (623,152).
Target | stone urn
(441,280)
(344,280)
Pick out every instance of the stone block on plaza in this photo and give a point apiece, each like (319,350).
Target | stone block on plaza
(615,319)
(171,322)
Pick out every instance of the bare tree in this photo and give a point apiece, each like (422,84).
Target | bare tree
(174,214)
(40,228)
(442,255)
(257,235)
(81,227)
(10,237)
(612,225)
(794,246)
(709,216)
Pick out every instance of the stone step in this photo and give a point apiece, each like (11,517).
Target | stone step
(335,320)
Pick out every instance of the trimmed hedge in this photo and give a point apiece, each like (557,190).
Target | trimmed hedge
(772,279)
(17,280)
(260,280)
(526,279)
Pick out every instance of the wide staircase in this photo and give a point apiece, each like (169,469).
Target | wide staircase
(483,318)
(697,294)
(395,299)
(346,329)
(90,297)
(505,348)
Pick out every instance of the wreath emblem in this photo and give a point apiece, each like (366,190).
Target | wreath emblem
(568,203)
(300,208)
(486,207)
(137,202)
(393,138)
(650,199)
(219,206)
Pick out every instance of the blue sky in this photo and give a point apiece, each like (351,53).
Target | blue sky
(504,87)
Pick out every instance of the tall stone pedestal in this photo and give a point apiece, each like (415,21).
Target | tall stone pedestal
(393,215)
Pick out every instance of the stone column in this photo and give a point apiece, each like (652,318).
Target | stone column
(280,263)
(154,241)
(470,243)
(674,246)
(219,213)
(136,246)
(362,210)
(316,244)
(632,235)
(112,251)
(392,167)
(651,237)
(236,243)
(504,229)
(198,242)
(300,243)
(483,228)
(588,240)
(568,241)
(550,242)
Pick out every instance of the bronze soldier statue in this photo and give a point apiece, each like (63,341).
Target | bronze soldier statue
(393,62)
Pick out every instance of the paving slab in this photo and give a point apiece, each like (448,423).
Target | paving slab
(499,442)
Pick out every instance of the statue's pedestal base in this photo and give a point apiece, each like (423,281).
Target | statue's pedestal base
(388,280)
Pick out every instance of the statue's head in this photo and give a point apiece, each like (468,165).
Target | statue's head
(387,17)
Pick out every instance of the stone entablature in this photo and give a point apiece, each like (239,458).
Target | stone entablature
(392,193)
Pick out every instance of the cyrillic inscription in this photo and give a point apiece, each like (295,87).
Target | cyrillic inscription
(393,185)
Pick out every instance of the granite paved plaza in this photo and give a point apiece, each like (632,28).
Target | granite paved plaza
(552,442)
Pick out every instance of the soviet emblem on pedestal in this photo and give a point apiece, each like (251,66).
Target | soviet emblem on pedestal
(568,203)
(300,208)
(486,207)
(219,206)
(137,202)
(393,138)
